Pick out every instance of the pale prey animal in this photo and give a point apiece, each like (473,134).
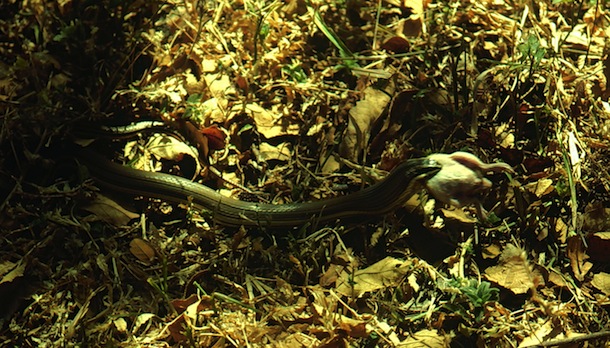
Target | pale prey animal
(461,180)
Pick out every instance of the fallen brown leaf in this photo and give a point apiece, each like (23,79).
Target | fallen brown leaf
(362,117)
(142,250)
(514,271)
(578,258)
(109,211)
(601,281)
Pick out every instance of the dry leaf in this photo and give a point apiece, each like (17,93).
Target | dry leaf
(109,211)
(6,266)
(270,124)
(426,338)
(557,278)
(331,275)
(540,187)
(297,311)
(141,320)
(561,230)
(318,128)
(601,281)
(212,110)
(362,117)
(11,271)
(491,251)
(412,25)
(538,336)
(576,156)
(330,165)
(415,6)
(161,146)
(457,219)
(353,327)
(396,44)
(219,85)
(547,332)
(216,137)
(578,258)
(323,305)
(596,218)
(383,274)
(167,147)
(142,250)
(514,271)
(281,152)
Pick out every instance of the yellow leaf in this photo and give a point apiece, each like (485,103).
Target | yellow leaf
(383,274)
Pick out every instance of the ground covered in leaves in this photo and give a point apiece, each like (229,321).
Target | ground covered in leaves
(296,101)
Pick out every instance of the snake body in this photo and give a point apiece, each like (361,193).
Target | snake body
(378,199)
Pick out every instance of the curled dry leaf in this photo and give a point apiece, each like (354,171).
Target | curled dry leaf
(561,230)
(362,117)
(578,258)
(141,320)
(216,137)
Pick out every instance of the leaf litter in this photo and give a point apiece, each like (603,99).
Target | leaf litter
(293,101)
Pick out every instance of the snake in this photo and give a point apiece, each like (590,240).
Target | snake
(378,199)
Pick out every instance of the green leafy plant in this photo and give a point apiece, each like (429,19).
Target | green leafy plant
(295,72)
(480,293)
(469,297)
(532,53)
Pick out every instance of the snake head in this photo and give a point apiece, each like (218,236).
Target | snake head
(421,169)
